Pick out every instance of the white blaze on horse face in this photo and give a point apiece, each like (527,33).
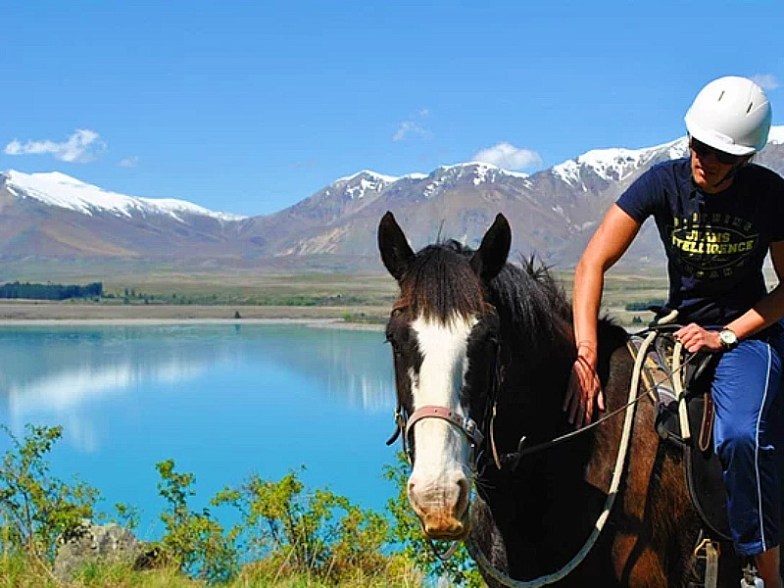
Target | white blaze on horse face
(439,480)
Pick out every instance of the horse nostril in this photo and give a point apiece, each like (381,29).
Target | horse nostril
(464,489)
(418,503)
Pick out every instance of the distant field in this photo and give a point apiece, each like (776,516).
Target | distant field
(357,291)
(250,288)
(174,293)
(625,287)
(355,297)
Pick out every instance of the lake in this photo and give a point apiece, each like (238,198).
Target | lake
(222,401)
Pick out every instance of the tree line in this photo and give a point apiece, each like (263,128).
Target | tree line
(50,291)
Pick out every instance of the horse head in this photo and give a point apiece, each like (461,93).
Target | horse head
(444,338)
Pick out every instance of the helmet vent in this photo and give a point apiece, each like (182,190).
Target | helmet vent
(721,95)
(751,105)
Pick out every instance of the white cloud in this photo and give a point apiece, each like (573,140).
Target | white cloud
(132,161)
(507,156)
(766,81)
(412,126)
(408,127)
(82,146)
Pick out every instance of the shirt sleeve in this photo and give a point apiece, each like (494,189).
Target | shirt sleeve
(777,199)
(640,199)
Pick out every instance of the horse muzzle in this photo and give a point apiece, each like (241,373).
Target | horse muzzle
(445,527)
(442,512)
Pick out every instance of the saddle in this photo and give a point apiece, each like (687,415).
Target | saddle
(679,385)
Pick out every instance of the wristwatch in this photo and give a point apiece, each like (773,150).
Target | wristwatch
(728,338)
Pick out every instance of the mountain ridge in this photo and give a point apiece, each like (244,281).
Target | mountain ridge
(64,191)
(52,216)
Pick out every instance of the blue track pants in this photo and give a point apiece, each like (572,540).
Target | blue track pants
(749,440)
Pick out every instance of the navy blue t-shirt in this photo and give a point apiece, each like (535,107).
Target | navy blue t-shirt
(715,243)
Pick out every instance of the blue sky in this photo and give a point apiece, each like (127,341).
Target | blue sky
(250,107)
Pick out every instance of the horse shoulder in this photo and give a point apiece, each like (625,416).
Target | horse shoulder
(652,520)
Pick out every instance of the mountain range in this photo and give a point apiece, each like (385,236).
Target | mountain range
(53,224)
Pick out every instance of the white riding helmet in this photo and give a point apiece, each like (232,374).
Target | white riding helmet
(731,114)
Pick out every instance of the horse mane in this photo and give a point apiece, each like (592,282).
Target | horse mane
(439,283)
(534,311)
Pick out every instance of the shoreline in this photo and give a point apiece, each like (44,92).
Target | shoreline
(44,313)
(313,323)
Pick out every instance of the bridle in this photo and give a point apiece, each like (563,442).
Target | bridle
(405,426)
(468,427)
(475,434)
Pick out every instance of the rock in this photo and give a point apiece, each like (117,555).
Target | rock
(89,543)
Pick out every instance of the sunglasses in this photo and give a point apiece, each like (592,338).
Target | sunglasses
(704,150)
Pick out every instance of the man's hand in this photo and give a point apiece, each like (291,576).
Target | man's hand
(695,338)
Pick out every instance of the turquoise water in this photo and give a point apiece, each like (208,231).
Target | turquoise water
(222,401)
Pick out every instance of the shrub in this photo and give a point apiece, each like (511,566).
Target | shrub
(320,534)
(36,507)
(407,536)
(644,304)
(293,537)
(194,541)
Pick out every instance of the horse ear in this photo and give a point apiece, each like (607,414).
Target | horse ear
(396,253)
(492,253)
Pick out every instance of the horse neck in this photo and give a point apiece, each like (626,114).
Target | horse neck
(532,392)
(537,350)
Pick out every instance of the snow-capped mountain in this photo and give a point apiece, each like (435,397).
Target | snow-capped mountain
(60,190)
(52,216)
(45,217)
(448,177)
(615,165)
(552,212)
(357,185)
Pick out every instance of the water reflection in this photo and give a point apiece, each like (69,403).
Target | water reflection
(222,401)
(59,369)
(69,388)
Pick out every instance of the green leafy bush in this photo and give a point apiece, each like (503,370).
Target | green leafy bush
(285,535)
(35,506)
(321,534)
(407,536)
(194,541)
(644,304)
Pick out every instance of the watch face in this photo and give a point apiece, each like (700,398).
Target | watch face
(728,337)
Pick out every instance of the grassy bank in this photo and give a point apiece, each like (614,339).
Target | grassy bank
(18,571)
(285,534)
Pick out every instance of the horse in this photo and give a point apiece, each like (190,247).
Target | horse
(482,352)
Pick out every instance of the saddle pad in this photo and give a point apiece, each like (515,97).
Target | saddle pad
(704,478)
(702,468)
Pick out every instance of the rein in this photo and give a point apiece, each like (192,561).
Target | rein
(504,579)
(620,460)
(514,458)
(469,428)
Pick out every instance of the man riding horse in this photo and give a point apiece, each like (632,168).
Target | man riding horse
(718,215)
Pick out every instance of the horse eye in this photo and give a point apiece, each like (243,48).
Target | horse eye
(391,340)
